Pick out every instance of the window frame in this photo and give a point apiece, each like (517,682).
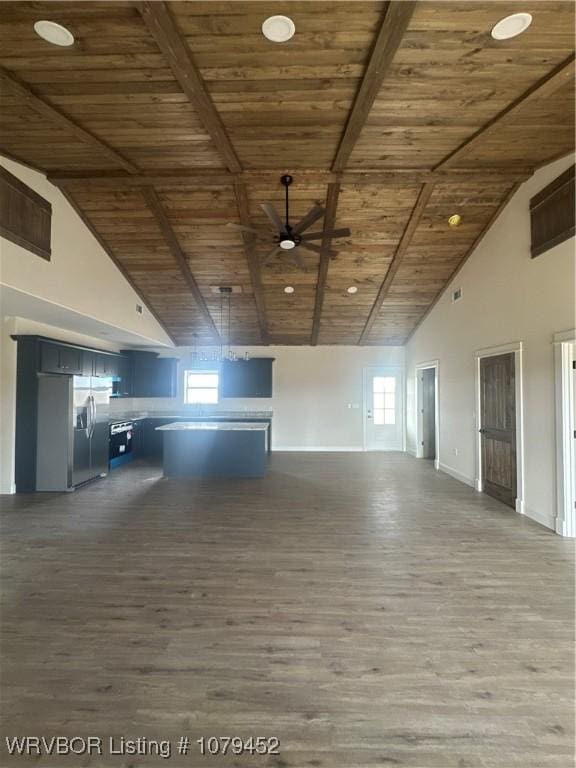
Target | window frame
(201,372)
(388,412)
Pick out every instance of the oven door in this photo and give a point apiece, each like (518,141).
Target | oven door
(120,441)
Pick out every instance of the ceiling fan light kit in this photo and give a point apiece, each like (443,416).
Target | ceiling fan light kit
(294,238)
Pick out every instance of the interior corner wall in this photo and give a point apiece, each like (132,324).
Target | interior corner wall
(506,297)
(80,275)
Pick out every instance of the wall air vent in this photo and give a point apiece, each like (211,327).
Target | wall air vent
(456,295)
(139,309)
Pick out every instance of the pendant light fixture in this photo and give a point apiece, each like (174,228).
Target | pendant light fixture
(225,296)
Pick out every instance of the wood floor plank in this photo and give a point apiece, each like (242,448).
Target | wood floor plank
(364,608)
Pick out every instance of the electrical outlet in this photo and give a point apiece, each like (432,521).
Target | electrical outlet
(455,451)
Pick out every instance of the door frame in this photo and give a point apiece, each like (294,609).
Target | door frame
(398,370)
(502,349)
(419,421)
(564,354)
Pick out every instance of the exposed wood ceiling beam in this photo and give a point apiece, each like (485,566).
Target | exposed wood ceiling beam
(252,259)
(511,192)
(56,116)
(213,177)
(163,29)
(405,241)
(396,19)
(329,225)
(544,88)
(156,207)
(104,245)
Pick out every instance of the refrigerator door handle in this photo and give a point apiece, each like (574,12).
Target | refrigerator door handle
(92,415)
(88,417)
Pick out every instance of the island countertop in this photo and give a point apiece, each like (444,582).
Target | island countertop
(213,426)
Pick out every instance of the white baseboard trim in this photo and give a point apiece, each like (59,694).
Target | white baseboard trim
(520,506)
(456,475)
(562,528)
(548,521)
(412,452)
(318,448)
(8,489)
(478,485)
(437,464)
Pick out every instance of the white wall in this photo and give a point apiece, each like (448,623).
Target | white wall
(507,297)
(312,389)
(80,279)
(80,275)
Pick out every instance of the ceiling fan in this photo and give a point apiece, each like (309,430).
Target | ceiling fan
(293,238)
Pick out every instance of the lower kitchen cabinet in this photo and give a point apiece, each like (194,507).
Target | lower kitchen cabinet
(152,440)
(138,439)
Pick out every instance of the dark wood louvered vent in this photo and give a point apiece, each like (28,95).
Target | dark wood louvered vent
(25,216)
(552,213)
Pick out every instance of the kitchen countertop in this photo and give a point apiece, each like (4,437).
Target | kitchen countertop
(117,418)
(218,426)
(210,414)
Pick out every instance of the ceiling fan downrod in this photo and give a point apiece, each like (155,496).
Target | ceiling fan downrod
(287,240)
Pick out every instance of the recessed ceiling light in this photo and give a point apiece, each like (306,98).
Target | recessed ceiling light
(278,29)
(455,220)
(352,289)
(510,26)
(289,289)
(54,33)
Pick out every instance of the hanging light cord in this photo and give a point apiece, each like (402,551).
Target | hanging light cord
(229,325)
(221,325)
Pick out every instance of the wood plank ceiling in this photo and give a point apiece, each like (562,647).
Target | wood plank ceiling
(166,121)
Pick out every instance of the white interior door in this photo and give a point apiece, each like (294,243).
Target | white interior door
(383,409)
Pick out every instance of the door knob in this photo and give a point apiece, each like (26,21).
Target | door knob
(482,431)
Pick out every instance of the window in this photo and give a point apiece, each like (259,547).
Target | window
(384,399)
(201,387)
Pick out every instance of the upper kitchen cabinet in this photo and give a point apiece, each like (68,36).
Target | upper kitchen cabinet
(247,378)
(150,375)
(59,358)
(106,365)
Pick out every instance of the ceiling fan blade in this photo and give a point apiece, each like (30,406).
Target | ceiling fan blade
(297,254)
(272,214)
(345,232)
(271,255)
(313,215)
(319,249)
(242,228)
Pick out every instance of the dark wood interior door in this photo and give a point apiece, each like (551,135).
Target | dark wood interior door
(498,427)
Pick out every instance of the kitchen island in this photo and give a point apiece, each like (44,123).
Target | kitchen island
(214,449)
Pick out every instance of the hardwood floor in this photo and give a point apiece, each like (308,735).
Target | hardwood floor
(363,608)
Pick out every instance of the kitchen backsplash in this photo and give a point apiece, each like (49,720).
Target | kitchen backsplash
(150,405)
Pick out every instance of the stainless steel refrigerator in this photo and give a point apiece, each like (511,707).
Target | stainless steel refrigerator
(73,415)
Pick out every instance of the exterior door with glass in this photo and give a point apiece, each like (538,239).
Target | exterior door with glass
(383,409)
